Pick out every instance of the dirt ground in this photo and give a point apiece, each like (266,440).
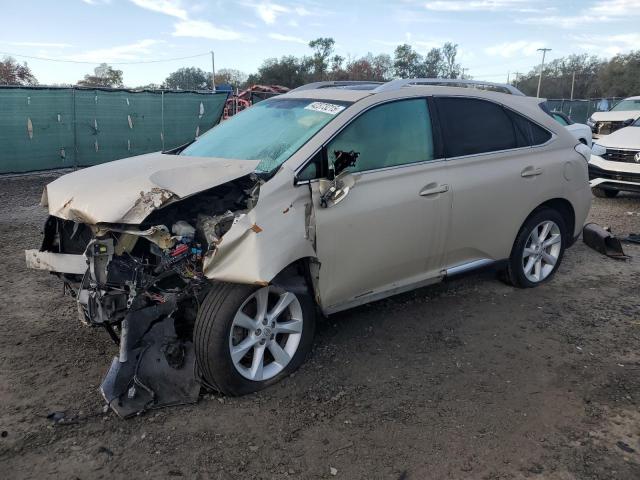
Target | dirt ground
(468,379)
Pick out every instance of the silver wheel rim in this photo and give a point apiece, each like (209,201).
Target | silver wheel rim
(541,251)
(265,333)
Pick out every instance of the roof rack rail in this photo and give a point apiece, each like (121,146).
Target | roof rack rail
(334,84)
(447,82)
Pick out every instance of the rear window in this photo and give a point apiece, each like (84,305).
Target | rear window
(472,126)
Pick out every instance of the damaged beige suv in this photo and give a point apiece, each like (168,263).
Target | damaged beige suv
(209,263)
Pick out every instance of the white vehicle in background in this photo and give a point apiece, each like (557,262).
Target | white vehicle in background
(620,116)
(615,162)
(580,131)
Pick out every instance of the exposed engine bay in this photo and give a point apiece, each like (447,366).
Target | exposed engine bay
(143,284)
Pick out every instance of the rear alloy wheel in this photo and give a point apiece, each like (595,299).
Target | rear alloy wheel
(605,192)
(538,249)
(248,338)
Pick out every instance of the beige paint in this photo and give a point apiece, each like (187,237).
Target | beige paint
(383,237)
(56,262)
(128,190)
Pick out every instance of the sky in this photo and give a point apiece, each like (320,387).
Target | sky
(495,38)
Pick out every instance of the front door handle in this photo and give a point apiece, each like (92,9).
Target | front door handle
(433,189)
(531,172)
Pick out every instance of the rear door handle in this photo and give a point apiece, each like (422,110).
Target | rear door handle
(531,172)
(433,189)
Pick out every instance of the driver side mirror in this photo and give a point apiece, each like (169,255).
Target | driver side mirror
(343,160)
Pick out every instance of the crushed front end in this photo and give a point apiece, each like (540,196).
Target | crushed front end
(142,284)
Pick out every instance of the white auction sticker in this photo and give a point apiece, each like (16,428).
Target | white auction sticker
(329,108)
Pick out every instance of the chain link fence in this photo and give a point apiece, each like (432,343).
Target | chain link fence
(580,110)
(44,128)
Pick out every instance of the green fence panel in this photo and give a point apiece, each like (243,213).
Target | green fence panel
(47,128)
(36,129)
(116,124)
(188,116)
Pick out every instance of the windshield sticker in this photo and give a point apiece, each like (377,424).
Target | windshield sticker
(329,108)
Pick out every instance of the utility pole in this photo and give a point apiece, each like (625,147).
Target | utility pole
(573,81)
(544,53)
(213,72)
(463,70)
(517,74)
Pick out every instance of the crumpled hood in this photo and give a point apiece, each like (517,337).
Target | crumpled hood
(128,190)
(625,138)
(614,116)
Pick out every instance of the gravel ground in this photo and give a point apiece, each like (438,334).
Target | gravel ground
(467,379)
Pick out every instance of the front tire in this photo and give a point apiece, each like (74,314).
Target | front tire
(538,249)
(247,338)
(605,192)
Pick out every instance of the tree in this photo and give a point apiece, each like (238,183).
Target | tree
(434,63)
(13,73)
(323,48)
(188,78)
(233,77)
(451,68)
(288,71)
(620,77)
(407,62)
(103,76)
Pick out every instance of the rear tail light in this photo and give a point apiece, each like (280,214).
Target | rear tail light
(583,150)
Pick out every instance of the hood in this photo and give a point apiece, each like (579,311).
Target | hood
(625,138)
(615,116)
(128,190)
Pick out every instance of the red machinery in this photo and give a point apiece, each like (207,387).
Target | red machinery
(245,98)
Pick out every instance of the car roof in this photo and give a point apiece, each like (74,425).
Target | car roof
(353,91)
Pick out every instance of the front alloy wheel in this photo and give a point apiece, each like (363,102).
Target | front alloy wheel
(247,338)
(263,338)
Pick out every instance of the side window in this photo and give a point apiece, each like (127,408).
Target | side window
(471,126)
(312,169)
(395,133)
(531,133)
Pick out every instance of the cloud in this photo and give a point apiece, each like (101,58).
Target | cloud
(512,49)
(204,29)
(167,7)
(287,38)
(602,11)
(96,2)
(40,44)
(607,44)
(130,52)
(475,5)
(269,12)
(616,7)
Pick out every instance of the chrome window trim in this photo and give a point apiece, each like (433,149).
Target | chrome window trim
(552,139)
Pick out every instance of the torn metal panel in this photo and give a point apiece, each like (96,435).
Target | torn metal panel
(603,241)
(56,262)
(128,190)
(271,236)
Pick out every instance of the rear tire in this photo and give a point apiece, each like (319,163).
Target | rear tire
(538,249)
(230,315)
(605,192)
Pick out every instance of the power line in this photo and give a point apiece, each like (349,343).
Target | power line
(95,63)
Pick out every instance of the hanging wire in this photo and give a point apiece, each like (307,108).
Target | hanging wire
(95,63)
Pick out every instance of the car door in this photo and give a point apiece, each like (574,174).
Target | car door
(497,175)
(390,229)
